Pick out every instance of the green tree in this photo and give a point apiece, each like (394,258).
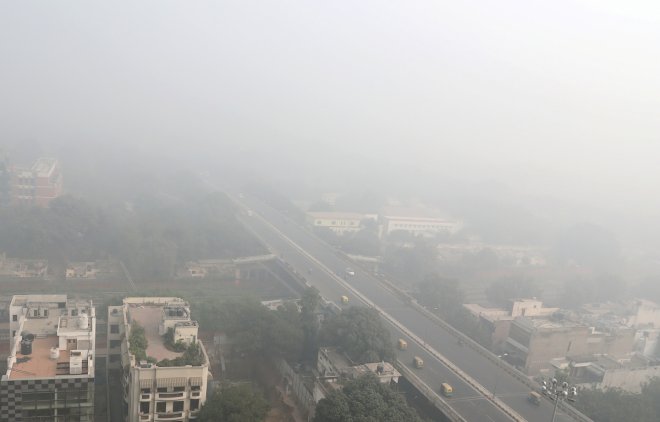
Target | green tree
(364,399)
(256,331)
(500,292)
(411,263)
(309,303)
(234,404)
(443,293)
(360,333)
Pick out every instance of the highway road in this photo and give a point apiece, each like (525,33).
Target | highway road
(303,251)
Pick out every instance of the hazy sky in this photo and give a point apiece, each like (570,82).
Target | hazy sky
(556,96)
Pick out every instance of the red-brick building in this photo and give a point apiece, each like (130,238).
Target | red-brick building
(37,185)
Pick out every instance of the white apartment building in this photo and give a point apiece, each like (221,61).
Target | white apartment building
(50,369)
(160,384)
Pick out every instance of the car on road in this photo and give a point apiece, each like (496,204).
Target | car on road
(402,344)
(418,362)
(350,271)
(344,299)
(446,390)
(534,398)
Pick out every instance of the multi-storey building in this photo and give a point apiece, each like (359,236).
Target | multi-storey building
(167,379)
(50,368)
(37,185)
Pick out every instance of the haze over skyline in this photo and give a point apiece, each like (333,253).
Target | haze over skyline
(559,99)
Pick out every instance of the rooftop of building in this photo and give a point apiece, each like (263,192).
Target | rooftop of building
(149,318)
(44,167)
(547,323)
(338,359)
(42,332)
(489,313)
(23,300)
(381,369)
(39,364)
(336,215)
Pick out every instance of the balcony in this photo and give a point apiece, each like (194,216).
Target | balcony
(171,396)
(146,417)
(195,394)
(193,414)
(171,416)
(145,396)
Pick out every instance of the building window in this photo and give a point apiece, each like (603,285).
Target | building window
(14,318)
(35,312)
(179,389)
(162,389)
(114,329)
(115,343)
(45,312)
(144,407)
(195,388)
(13,333)
(178,406)
(194,404)
(161,406)
(145,390)
(114,358)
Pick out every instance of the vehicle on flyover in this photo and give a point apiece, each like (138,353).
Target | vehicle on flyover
(402,344)
(418,362)
(446,390)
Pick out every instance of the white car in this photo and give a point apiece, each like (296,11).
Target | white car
(350,271)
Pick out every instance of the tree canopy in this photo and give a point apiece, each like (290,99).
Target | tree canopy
(234,404)
(443,293)
(500,292)
(152,236)
(614,405)
(360,333)
(364,400)
(254,329)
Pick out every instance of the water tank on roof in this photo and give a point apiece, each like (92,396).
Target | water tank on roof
(84,322)
(26,347)
(54,353)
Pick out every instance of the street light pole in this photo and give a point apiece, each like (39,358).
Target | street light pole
(559,392)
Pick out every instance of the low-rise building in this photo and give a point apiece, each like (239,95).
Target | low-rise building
(22,268)
(534,343)
(602,372)
(338,222)
(50,369)
(161,382)
(497,321)
(333,365)
(84,270)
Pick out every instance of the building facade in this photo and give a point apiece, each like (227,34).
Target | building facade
(50,369)
(37,185)
(338,222)
(419,226)
(161,382)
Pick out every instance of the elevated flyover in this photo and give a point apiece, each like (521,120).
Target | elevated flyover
(485,388)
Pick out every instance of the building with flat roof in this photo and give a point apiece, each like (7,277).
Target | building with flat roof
(338,222)
(497,321)
(167,379)
(38,184)
(50,368)
(417,221)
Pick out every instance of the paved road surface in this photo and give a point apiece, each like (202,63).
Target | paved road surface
(271,227)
